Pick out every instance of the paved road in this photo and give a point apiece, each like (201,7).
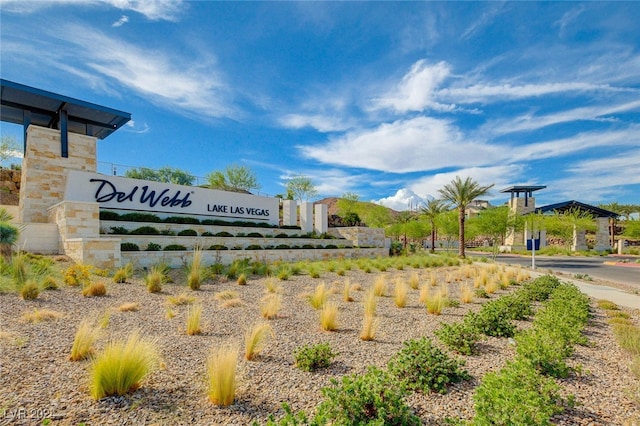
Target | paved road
(595,267)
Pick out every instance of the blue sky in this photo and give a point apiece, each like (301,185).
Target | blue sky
(389,100)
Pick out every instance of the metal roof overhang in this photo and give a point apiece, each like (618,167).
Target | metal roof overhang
(569,205)
(27,105)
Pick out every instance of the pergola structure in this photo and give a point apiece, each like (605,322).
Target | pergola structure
(605,233)
(25,105)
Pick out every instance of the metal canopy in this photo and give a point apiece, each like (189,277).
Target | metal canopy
(527,189)
(568,205)
(27,105)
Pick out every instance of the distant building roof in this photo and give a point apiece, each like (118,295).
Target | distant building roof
(568,205)
(523,188)
(26,105)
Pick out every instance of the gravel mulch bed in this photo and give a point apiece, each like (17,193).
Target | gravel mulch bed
(37,380)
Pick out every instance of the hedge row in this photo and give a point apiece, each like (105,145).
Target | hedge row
(174,247)
(150,217)
(150,230)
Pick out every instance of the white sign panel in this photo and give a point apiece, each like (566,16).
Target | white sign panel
(120,193)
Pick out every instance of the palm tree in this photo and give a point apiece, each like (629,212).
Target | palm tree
(432,209)
(460,193)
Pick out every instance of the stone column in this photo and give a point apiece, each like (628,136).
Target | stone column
(289,213)
(43,170)
(579,240)
(602,234)
(321,219)
(306,217)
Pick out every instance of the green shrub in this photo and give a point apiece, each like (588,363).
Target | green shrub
(181,219)
(253,247)
(167,232)
(516,395)
(255,235)
(374,398)
(423,366)
(218,247)
(481,293)
(145,230)
(153,247)
(283,247)
(174,247)
(187,233)
(129,247)
(207,234)
(139,217)
(313,357)
(540,289)
(289,419)
(460,337)
(223,234)
(492,320)
(282,235)
(119,230)
(109,215)
(545,350)
(330,246)
(516,306)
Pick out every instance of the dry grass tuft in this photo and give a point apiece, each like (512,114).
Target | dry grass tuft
(424,294)
(491,286)
(195,274)
(193,320)
(122,366)
(181,299)
(232,303)
(433,279)
(83,342)
(255,339)
(329,317)
(380,286)
(356,287)
(608,305)
(414,281)
(39,315)
(319,297)
(272,286)
(369,327)
(466,294)
(270,305)
(221,374)
(435,303)
(370,303)
(129,307)
(242,279)
(400,291)
(30,290)
(346,291)
(226,295)
(94,289)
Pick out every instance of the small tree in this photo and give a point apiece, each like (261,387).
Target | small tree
(431,211)
(564,224)
(631,228)
(375,215)
(301,188)
(447,224)
(461,193)
(8,149)
(348,206)
(165,174)
(494,224)
(234,178)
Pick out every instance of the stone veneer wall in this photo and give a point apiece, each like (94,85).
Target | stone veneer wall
(517,207)
(44,169)
(360,236)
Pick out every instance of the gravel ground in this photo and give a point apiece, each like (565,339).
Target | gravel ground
(38,381)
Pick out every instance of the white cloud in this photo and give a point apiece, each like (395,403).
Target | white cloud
(154,10)
(132,127)
(417,144)
(120,22)
(500,176)
(530,122)
(322,123)
(415,91)
(190,85)
(403,199)
(486,93)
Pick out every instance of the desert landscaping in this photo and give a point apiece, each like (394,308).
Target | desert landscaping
(41,385)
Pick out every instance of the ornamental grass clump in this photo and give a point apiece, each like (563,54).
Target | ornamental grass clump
(222,374)
(181,299)
(346,291)
(466,294)
(255,339)
(319,296)
(435,303)
(194,316)
(123,274)
(83,342)
(380,286)
(628,337)
(270,305)
(39,315)
(30,290)
(77,275)
(195,270)
(414,281)
(271,286)
(122,365)
(370,303)
(94,289)
(329,317)
(155,278)
(400,291)
(421,366)
(369,327)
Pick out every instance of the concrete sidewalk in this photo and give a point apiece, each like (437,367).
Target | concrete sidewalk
(619,297)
